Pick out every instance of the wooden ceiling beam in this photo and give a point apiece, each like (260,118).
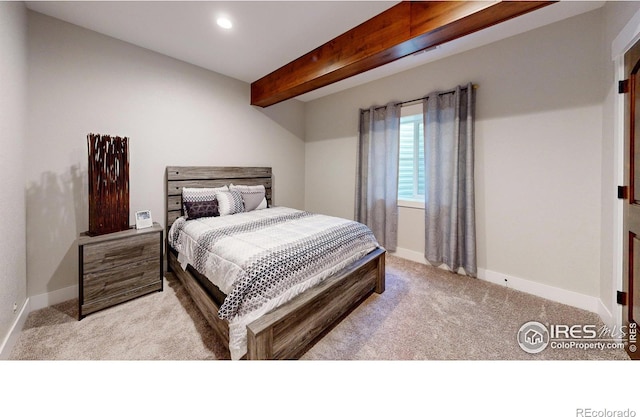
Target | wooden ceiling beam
(402,30)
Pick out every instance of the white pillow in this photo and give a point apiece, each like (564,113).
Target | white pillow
(263,204)
(253,196)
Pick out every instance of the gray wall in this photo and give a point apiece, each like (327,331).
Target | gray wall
(174,113)
(538,150)
(13,92)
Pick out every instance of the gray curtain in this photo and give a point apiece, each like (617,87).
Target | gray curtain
(377,172)
(450,236)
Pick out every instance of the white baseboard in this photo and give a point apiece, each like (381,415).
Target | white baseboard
(14,332)
(607,317)
(54,297)
(33,303)
(574,299)
(560,295)
(410,255)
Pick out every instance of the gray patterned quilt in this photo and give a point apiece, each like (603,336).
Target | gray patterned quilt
(264,258)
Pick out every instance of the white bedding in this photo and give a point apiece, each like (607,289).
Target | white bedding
(264,258)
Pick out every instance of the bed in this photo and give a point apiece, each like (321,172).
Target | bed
(292,327)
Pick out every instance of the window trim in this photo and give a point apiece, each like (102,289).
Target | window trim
(414,204)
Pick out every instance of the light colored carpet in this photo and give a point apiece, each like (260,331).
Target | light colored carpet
(424,314)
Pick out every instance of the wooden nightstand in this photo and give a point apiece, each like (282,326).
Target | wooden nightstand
(118,267)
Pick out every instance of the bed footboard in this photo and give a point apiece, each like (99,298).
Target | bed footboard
(289,331)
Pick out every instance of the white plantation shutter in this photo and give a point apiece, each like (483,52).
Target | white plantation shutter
(411,159)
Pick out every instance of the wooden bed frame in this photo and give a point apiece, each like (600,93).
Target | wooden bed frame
(291,329)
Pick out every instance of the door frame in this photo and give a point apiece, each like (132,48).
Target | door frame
(629,35)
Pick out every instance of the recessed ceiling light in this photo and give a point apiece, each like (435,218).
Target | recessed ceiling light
(224,23)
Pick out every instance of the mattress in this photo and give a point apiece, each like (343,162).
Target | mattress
(264,258)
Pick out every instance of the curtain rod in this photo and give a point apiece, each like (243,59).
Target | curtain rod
(404,103)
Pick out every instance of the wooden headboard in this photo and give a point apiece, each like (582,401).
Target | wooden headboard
(178,177)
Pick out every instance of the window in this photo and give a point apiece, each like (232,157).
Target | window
(411,178)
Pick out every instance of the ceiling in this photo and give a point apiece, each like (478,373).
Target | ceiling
(267,34)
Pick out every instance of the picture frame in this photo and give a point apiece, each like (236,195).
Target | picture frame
(143,219)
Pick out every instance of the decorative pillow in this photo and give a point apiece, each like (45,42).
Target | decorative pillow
(229,202)
(252,195)
(197,209)
(200,202)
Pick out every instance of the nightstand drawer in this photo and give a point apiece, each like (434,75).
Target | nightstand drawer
(130,294)
(106,255)
(110,282)
(118,267)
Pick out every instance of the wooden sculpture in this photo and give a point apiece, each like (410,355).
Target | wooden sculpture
(108,184)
